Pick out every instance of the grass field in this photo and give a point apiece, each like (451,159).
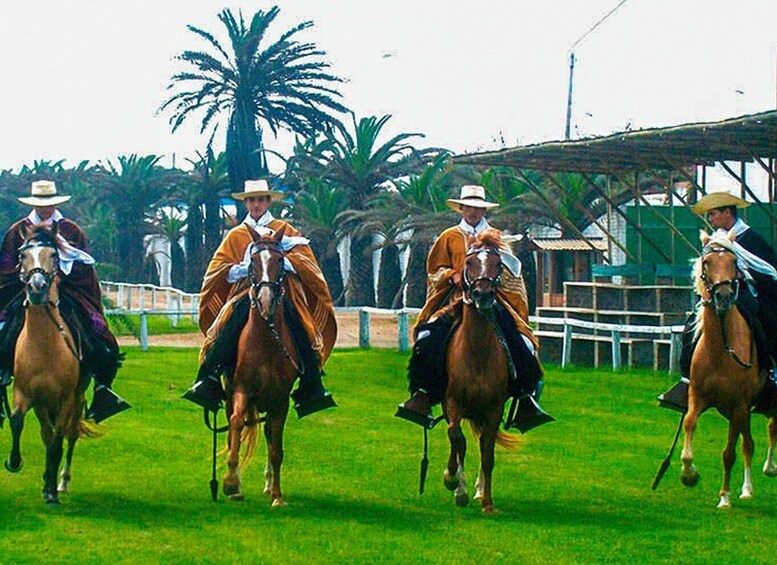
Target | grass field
(576,491)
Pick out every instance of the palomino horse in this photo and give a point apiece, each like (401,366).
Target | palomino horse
(478,373)
(267,365)
(46,365)
(725,373)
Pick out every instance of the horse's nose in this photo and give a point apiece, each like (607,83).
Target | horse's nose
(476,293)
(38,283)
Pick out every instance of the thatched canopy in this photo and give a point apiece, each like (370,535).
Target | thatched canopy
(745,138)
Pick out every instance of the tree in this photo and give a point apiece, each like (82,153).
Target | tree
(283,85)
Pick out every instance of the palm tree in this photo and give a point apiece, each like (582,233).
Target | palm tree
(285,84)
(361,166)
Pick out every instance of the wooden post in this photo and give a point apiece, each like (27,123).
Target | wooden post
(616,350)
(129,298)
(364,329)
(143,331)
(403,339)
(120,296)
(566,349)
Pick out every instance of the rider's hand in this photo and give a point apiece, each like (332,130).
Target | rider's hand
(456,278)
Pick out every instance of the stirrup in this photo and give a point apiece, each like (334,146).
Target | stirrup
(206,395)
(676,398)
(424,420)
(310,405)
(105,403)
(528,416)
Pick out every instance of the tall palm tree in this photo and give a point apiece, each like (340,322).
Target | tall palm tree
(284,84)
(361,166)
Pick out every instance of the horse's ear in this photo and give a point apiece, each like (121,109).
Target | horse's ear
(25,232)
(704,237)
(731,235)
(278,235)
(470,240)
(254,235)
(54,229)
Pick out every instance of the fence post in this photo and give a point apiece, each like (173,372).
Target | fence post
(403,340)
(129,298)
(616,350)
(120,296)
(142,299)
(675,348)
(143,331)
(364,329)
(168,303)
(566,348)
(153,298)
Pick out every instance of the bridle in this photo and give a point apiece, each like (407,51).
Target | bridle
(25,276)
(467,283)
(734,284)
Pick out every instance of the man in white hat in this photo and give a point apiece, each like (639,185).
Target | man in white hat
(444,266)
(80,298)
(758,261)
(224,305)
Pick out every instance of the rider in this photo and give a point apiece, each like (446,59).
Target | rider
(80,300)
(444,266)
(758,298)
(225,303)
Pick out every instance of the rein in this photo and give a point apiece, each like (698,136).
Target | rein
(734,283)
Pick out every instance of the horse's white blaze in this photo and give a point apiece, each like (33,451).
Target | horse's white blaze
(483,257)
(747,485)
(35,254)
(770,468)
(264,256)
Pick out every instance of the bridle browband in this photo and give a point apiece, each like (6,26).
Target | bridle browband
(711,288)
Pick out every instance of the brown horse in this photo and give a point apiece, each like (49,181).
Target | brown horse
(267,366)
(725,373)
(477,373)
(46,365)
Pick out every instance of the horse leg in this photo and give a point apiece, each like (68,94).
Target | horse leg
(268,470)
(14,461)
(231,486)
(770,467)
(689,476)
(729,456)
(487,442)
(747,450)
(72,437)
(53,459)
(275,453)
(454,478)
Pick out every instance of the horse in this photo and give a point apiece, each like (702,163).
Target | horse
(267,366)
(478,373)
(725,373)
(46,365)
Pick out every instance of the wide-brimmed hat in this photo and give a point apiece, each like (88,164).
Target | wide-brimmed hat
(471,195)
(715,200)
(43,193)
(257,188)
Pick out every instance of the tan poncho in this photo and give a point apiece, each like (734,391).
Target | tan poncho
(447,257)
(307,290)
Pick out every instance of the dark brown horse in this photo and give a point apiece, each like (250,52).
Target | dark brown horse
(477,373)
(725,373)
(46,365)
(267,366)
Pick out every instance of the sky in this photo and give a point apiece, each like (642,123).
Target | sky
(84,79)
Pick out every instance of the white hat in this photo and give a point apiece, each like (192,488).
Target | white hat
(43,193)
(257,188)
(471,195)
(713,200)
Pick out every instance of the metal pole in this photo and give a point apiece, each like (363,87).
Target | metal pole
(569,94)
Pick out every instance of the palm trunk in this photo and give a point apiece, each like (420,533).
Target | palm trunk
(416,275)
(195,268)
(361,284)
(389,276)
(245,160)
(529,270)
(330,266)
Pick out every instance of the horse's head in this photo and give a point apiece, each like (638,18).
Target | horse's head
(267,272)
(717,275)
(482,270)
(39,263)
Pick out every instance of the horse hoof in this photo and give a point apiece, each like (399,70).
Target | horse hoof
(690,480)
(238,496)
(462,499)
(724,504)
(63,489)
(746,495)
(770,470)
(10,468)
(451,482)
(489,510)
(49,498)
(278,503)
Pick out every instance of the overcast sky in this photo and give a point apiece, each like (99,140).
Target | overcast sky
(83,79)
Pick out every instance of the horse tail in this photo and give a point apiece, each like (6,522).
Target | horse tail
(503,439)
(249,436)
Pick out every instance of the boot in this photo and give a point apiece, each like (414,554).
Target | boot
(105,403)
(207,392)
(676,398)
(529,414)
(311,397)
(417,409)
(766,403)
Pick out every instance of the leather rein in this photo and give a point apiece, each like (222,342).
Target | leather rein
(734,283)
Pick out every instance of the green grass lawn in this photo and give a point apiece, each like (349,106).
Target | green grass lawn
(577,490)
(129,324)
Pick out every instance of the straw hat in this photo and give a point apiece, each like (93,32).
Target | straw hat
(43,193)
(714,200)
(257,188)
(471,195)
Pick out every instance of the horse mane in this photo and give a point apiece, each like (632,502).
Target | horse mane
(491,238)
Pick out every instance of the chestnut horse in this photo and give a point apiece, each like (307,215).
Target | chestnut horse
(725,373)
(267,366)
(478,372)
(46,365)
